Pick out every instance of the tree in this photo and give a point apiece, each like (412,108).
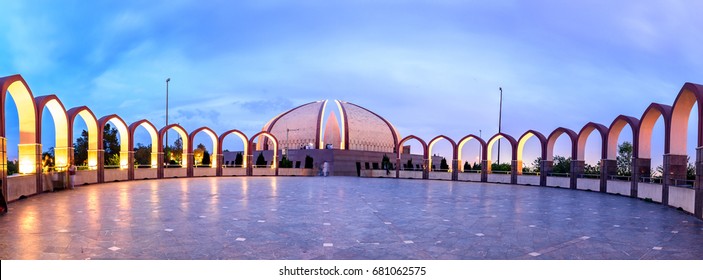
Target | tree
(467,166)
(386,163)
(308,161)
(561,164)
(198,154)
(285,163)
(476,166)
(443,164)
(206,158)
(238,160)
(111,145)
(537,164)
(80,149)
(261,161)
(176,152)
(12,167)
(624,159)
(142,154)
(409,165)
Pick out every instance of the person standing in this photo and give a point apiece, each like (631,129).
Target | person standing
(325,169)
(71,175)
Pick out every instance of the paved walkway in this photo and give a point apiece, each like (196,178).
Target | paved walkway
(341,218)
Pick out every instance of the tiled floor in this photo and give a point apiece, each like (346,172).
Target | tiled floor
(341,218)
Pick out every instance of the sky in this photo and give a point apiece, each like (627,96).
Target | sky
(429,67)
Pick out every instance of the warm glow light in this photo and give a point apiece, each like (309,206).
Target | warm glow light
(26,167)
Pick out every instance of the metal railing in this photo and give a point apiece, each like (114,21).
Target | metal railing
(683,183)
(589,176)
(651,180)
(619,178)
(554,174)
(501,172)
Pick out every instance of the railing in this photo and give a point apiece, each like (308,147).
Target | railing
(143,166)
(619,178)
(472,171)
(589,176)
(554,174)
(683,183)
(500,172)
(651,180)
(530,173)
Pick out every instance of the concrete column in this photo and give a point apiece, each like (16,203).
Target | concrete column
(641,168)
(160,165)
(101,166)
(515,169)
(578,167)
(3,170)
(608,167)
(190,158)
(674,169)
(485,169)
(250,165)
(455,169)
(545,167)
(220,162)
(698,184)
(130,165)
(397,168)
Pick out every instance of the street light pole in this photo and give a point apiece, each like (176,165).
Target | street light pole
(167,80)
(500,119)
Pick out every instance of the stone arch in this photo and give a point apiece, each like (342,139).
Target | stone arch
(58,114)
(554,136)
(29,150)
(245,141)
(492,141)
(583,136)
(465,140)
(521,146)
(153,135)
(647,122)
(422,142)
(614,131)
(689,95)
(122,130)
(215,144)
(274,140)
(434,141)
(184,137)
(92,124)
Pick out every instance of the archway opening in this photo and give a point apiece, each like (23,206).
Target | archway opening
(264,158)
(54,128)
(20,130)
(441,154)
(529,154)
(175,152)
(234,152)
(410,159)
(505,164)
(620,149)
(116,150)
(144,140)
(470,154)
(205,149)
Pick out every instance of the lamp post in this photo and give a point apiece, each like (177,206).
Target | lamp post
(500,116)
(479,147)
(167,80)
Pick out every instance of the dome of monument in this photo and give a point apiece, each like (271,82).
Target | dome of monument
(331,125)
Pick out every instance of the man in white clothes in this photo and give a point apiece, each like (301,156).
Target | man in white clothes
(325,169)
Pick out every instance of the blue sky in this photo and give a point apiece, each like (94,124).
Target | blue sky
(429,67)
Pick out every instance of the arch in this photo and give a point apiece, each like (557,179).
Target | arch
(215,143)
(552,140)
(466,139)
(244,139)
(689,95)
(60,118)
(92,124)
(495,138)
(184,137)
(647,122)
(153,134)
(615,130)
(26,112)
(274,163)
(123,131)
(583,136)
(431,144)
(400,145)
(523,139)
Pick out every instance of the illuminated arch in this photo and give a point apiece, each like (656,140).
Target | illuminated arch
(241,136)
(431,144)
(554,136)
(215,144)
(400,145)
(184,137)
(123,131)
(689,95)
(583,136)
(58,114)
(649,118)
(615,130)
(29,152)
(466,139)
(92,124)
(495,138)
(153,135)
(521,146)
(274,164)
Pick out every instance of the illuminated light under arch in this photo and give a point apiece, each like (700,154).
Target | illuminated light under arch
(123,132)
(649,118)
(492,140)
(92,125)
(60,121)
(614,132)
(583,137)
(689,95)
(26,113)
(153,135)
(184,137)
(215,143)
(241,136)
(262,135)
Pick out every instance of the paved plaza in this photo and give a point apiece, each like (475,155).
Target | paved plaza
(341,218)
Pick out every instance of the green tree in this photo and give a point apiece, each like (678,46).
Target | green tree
(409,165)
(624,159)
(260,160)
(206,158)
(238,160)
(501,167)
(536,165)
(561,164)
(12,167)
(285,163)
(476,166)
(80,149)
(467,166)
(443,164)
(199,154)
(142,154)
(111,145)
